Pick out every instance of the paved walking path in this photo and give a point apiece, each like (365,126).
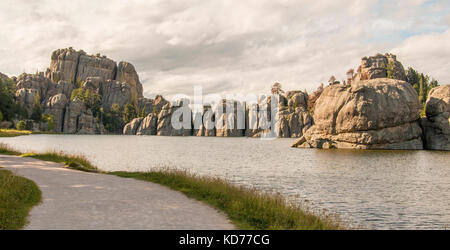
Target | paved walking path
(79,200)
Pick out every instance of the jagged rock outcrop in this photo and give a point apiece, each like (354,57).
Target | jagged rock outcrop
(131,127)
(165,127)
(64,65)
(230,124)
(380,66)
(313,98)
(437,123)
(115,92)
(55,106)
(77,67)
(80,120)
(373,114)
(26,98)
(148,125)
(127,73)
(207,121)
(36,82)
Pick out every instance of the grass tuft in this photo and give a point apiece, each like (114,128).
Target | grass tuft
(247,208)
(17,196)
(77,162)
(13,132)
(7,150)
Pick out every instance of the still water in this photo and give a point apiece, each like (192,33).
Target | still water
(373,189)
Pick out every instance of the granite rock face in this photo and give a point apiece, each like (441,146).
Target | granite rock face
(79,120)
(374,114)
(230,121)
(437,123)
(55,106)
(77,67)
(64,65)
(165,127)
(148,125)
(127,73)
(131,127)
(36,82)
(381,66)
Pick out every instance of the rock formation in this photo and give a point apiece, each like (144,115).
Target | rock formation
(132,127)
(374,114)
(55,106)
(437,123)
(70,69)
(380,66)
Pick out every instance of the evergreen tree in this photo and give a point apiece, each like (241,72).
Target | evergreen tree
(129,113)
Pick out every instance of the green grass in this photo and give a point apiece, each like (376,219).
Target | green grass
(17,196)
(76,162)
(246,208)
(13,132)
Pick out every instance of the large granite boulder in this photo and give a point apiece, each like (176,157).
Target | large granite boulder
(55,106)
(381,66)
(437,123)
(374,114)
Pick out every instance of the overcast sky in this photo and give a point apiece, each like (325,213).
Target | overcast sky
(229,46)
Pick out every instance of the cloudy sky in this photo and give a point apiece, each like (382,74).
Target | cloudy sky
(229,46)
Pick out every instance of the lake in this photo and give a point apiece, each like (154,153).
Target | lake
(374,189)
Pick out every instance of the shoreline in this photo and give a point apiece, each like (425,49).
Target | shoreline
(218,193)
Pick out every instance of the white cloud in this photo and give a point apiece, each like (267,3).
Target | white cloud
(227,45)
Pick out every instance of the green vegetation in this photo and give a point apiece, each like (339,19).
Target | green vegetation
(24,125)
(17,196)
(36,113)
(129,113)
(76,162)
(8,106)
(91,99)
(49,119)
(113,120)
(247,208)
(422,84)
(13,132)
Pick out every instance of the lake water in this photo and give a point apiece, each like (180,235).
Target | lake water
(375,189)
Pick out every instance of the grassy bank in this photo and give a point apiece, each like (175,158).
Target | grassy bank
(76,162)
(247,208)
(17,196)
(13,132)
